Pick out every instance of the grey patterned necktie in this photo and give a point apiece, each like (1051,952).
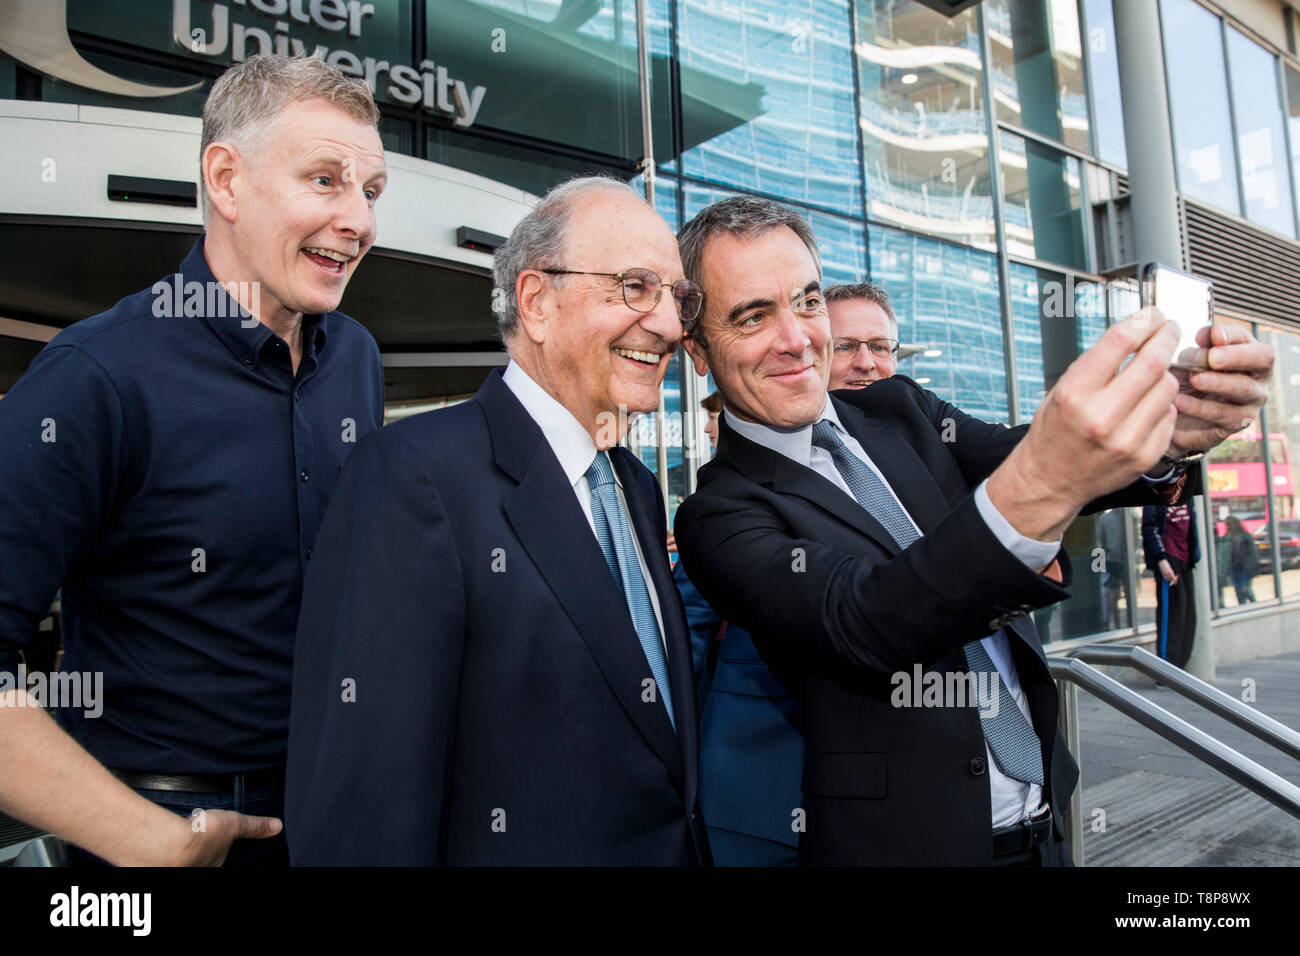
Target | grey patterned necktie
(1011,738)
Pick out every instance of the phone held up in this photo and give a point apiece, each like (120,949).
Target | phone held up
(1183,298)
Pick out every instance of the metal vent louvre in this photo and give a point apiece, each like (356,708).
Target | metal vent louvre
(1255,274)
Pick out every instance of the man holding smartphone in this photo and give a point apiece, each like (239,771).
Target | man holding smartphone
(885,534)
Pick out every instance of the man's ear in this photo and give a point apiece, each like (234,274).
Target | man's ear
(699,357)
(220,168)
(532,294)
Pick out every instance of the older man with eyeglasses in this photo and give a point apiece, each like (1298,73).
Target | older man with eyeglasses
(864,335)
(493,665)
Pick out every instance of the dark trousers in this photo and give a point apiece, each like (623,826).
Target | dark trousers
(1175,614)
(264,801)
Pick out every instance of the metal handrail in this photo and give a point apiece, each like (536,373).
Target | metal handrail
(1210,750)
(1208,696)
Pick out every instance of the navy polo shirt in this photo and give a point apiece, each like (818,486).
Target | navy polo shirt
(170,472)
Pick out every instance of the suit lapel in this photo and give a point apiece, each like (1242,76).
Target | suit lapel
(550,524)
(906,473)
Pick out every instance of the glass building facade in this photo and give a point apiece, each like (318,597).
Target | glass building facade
(955,160)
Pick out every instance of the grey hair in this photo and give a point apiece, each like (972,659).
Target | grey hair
(538,242)
(864,290)
(249,95)
(743,217)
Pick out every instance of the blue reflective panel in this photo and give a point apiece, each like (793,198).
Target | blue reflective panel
(665,197)
(783,124)
(1037,64)
(946,299)
(1044,219)
(1056,317)
(1198,103)
(1103,78)
(839,240)
(1261,143)
(925,142)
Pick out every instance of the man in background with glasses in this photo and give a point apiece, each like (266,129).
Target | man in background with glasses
(864,335)
(493,665)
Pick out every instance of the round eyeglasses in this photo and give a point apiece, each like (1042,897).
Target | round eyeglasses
(643,288)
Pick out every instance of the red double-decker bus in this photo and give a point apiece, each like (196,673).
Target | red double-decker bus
(1239,484)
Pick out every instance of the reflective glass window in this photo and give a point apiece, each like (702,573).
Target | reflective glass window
(8,78)
(1283,411)
(767,99)
(1240,507)
(558,71)
(529,168)
(949,314)
(1103,79)
(1037,63)
(1198,103)
(1293,125)
(840,241)
(924,136)
(1055,317)
(184,104)
(1044,219)
(1261,143)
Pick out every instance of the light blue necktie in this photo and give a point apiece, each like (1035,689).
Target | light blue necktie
(615,537)
(1011,738)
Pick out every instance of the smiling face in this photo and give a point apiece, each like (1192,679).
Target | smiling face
(295,212)
(855,365)
(765,322)
(585,345)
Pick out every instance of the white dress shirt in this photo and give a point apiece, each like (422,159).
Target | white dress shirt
(1013,800)
(576,450)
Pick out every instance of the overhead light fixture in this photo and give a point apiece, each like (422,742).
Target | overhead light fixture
(932,353)
(922,381)
(908,79)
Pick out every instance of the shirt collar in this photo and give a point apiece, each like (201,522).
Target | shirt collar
(794,443)
(571,443)
(228,325)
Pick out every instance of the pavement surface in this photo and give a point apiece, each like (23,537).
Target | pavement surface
(1145,802)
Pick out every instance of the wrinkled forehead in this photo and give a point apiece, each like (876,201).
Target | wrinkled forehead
(311,128)
(859,319)
(609,231)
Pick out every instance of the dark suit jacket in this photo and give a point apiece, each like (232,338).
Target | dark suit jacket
(499,713)
(751,745)
(835,609)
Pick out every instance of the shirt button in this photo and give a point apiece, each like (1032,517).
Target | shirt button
(305,475)
(248,359)
(309,554)
(297,396)
(978,766)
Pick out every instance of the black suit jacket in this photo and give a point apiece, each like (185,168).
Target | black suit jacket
(836,609)
(500,715)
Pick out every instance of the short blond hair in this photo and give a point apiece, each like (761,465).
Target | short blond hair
(249,95)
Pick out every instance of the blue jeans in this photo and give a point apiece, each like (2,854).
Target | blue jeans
(266,801)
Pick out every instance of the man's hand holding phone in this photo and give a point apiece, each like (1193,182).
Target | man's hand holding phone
(1225,395)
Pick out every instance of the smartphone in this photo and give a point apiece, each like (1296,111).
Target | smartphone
(1185,298)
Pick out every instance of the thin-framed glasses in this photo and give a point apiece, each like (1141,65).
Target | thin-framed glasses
(642,290)
(879,348)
